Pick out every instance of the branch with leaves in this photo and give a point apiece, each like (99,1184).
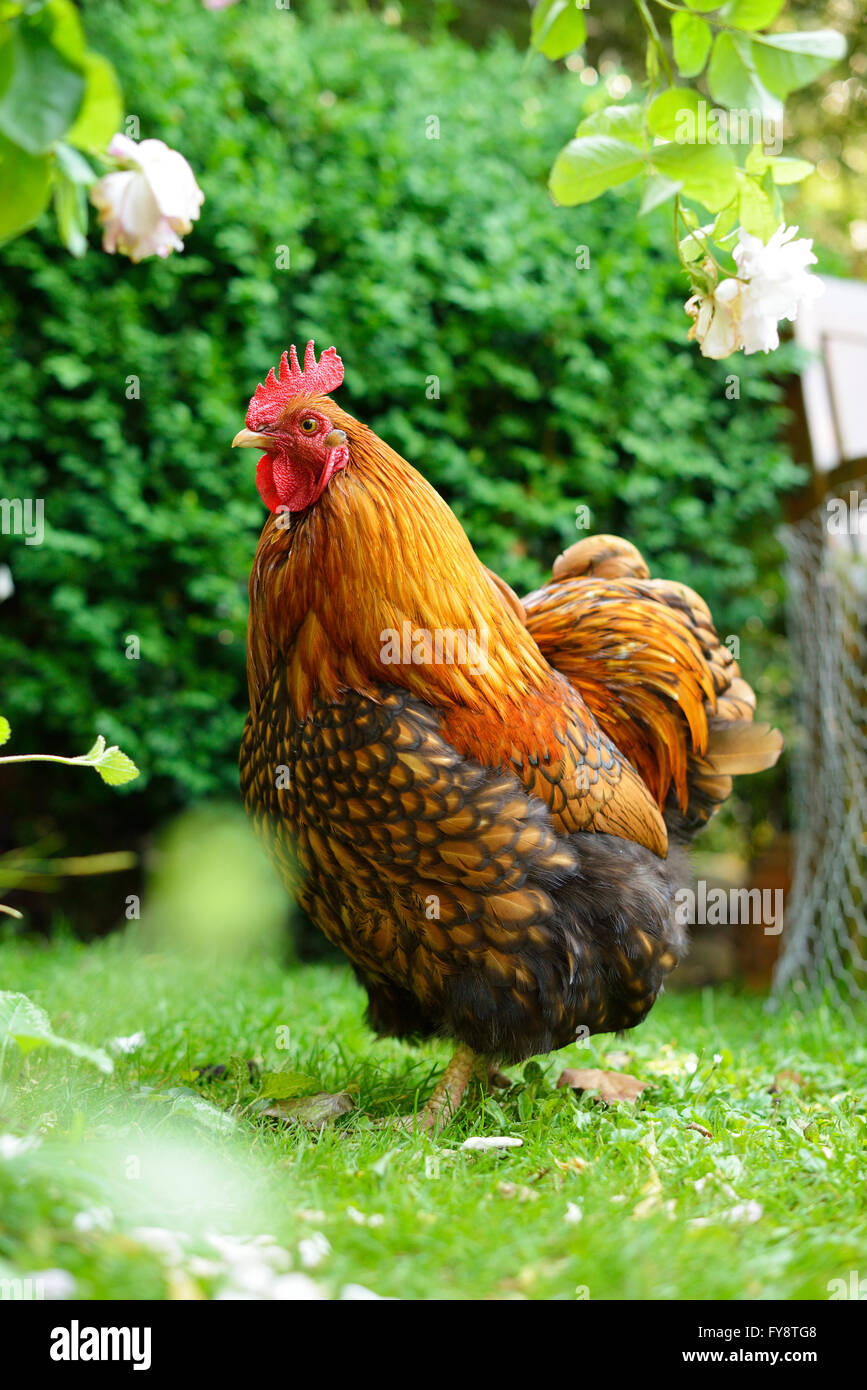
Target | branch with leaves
(713,105)
(115,768)
(60,112)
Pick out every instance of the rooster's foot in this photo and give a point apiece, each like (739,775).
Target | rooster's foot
(448,1093)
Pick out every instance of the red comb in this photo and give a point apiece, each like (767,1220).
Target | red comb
(278,391)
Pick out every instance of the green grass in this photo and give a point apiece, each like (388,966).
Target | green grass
(149,1147)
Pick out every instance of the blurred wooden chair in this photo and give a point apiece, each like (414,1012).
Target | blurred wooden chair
(829,398)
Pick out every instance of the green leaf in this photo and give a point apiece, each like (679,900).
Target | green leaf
(67,32)
(116,768)
(74,165)
(186,1102)
(705,6)
(691,248)
(734,80)
(591,164)
(787,170)
(623,122)
(29,1026)
(673,115)
(785,62)
(725,222)
(557,28)
(283,1085)
(70,209)
(706,171)
(26,182)
(753,14)
(5,730)
(657,190)
(757,161)
(755,210)
(95,753)
(692,40)
(102,108)
(40,90)
(783,170)
(315,1111)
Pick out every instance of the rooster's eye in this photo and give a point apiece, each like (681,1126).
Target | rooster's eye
(309,425)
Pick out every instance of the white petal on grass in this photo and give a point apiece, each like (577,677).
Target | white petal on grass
(312,1250)
(128,1045)
(741,1214)
(240,1252)
(13,1145)
(359,1293)
(298,1288)
(362,1219)
(574,1214)
(169,1244)
(492,1141)
(94,1219)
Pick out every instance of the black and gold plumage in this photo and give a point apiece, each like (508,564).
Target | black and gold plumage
(491,841)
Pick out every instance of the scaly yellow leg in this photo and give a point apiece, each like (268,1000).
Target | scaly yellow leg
(448,1093)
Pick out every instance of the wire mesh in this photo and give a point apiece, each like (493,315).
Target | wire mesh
(825,949)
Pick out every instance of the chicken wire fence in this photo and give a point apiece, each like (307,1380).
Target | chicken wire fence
(825,949)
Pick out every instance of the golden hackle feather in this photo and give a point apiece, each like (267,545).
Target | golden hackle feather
(382,549)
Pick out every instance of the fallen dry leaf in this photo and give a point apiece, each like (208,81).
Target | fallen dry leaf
(785,1078)
(523,1193)
(700,1129)
(575,1164)
(613,1086)
(315,1111)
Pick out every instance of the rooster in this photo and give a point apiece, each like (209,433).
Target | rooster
(482,800)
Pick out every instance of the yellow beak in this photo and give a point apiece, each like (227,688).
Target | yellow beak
(248,439)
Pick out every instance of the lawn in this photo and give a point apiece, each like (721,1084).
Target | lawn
(738,1174)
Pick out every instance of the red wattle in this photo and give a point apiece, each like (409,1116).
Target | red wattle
(265,482)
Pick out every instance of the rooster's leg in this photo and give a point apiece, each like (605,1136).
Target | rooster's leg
(448,1092)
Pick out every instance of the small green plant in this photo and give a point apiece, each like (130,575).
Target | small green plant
(114,767)
(22,1022)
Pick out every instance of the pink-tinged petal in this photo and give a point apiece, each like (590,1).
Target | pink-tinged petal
(122,147)
(143,209)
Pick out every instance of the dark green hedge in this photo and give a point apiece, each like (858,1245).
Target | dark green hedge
(416,257)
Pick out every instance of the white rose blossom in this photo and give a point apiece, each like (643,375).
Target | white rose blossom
(773,281)
(145,209)
(717,324)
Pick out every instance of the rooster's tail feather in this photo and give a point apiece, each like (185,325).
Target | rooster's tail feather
(647,659)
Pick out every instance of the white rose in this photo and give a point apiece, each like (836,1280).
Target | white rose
(717,320)
(778,281)
(144,210)
(773,281)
